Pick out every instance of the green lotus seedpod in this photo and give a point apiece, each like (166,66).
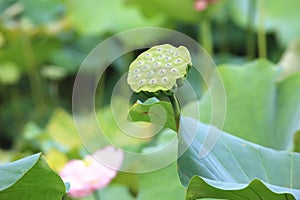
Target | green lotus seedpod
(158,68)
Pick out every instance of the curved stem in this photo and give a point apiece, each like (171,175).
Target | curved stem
(176,109)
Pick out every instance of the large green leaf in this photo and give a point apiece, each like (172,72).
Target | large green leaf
(258,107)
(99,17)
(42,12)
(114,192)
(235,168)
(297,142)
(30,178)
(160,185)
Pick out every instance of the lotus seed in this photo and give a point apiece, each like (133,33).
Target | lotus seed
(176,54)
(162,72)
(140,63)
(164,79)
(167,58)
(148,55)
(150,73)
(146,67)
(157,64)
(168,65)
(141,82)
(153,81)
(173,70)
(177,61)
(151,60)
(161,56)
(136,70)
(137,76)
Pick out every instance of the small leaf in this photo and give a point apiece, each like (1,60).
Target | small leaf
(235,168)
(158,112)
(30,178)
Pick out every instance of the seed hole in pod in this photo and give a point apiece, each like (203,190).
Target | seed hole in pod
(158,50)
(162,71)
(146,67)
(140,63)
(141,82)
(178,61)
(136,70)
(170,51)
(173,70)
(153,81)
(168,58)
(161,56)
(164,80)
(176,54)
(157,64)
(151,60)
(168,65)
(148,55)
(137,76)
(150,73)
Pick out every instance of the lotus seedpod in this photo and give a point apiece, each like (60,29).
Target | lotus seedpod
(158,68)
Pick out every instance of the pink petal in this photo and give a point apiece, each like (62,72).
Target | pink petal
(200,5)
(92,173)
(110,157)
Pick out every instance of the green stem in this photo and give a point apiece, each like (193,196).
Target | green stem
(32,71)
(262,44)
(206,35)
(176,109)
(15,99)
(54,92)
(250,33)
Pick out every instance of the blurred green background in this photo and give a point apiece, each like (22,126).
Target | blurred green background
(43,43)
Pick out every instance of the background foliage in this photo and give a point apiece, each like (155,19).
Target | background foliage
(43,43)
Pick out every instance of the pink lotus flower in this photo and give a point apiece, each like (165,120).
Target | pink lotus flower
(201,5)
(87,175)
